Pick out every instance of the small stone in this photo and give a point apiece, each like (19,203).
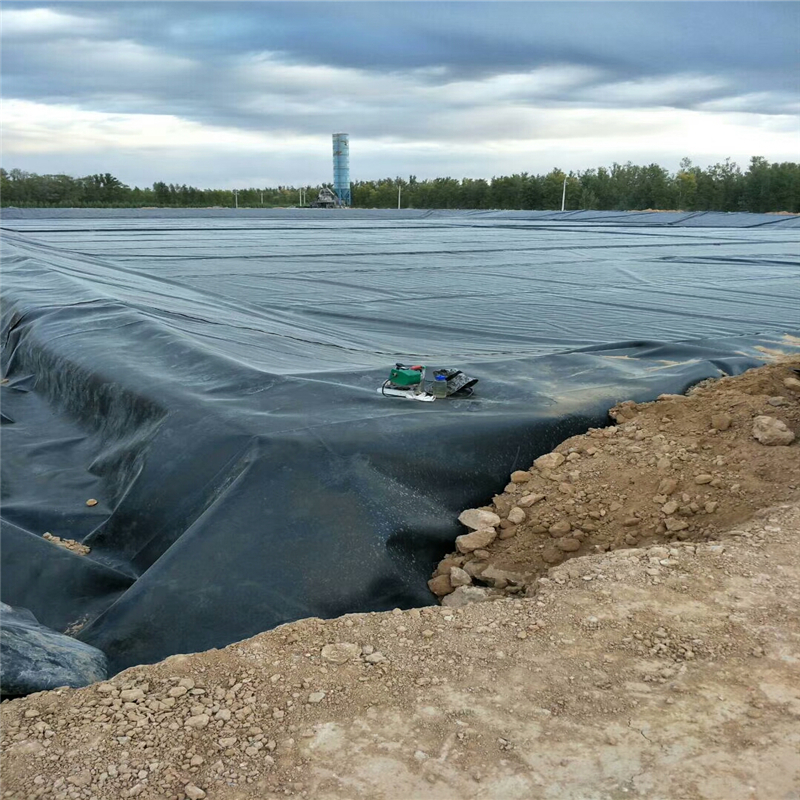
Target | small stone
(778,401)
(516,515)
(379,658)
(568,544)
(507,533)
(342,652)
(721,421)
(772,432)
(91,502)
(667,486)
(520,476)
(538,529)
(83,778)
(792,383)
(316,697)
(131,695)
(177,691)
(498,578)
(446,563)
(670,508)
(478,519)
(560,528)
(465,595)
(477,539)
(529,499)
(473,568)
(630,522)
(549,461)
(197,721)
(676,524)
(458,577)
(703,478)
(193,792)
(552,555)
(663,463)
(503,503)
(711,506)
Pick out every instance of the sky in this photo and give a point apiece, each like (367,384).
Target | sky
(238,94)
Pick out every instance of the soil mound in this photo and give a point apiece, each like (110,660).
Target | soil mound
(683,468)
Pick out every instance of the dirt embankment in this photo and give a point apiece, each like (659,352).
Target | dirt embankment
(682,468)
(653,661)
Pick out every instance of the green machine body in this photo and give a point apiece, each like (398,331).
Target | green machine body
(406,376)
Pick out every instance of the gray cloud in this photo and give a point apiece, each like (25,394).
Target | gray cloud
(423,73)
(468,38)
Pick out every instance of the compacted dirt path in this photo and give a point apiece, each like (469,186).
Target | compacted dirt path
(652,660)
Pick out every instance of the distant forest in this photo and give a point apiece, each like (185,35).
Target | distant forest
(764,186)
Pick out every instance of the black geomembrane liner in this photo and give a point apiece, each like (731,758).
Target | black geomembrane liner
(211,379)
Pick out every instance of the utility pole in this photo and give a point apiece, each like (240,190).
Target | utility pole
(399,190)
(564,194)
(236,197)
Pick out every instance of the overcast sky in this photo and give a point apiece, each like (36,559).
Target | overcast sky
(241,94)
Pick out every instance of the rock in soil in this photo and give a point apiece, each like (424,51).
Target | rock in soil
(772,431)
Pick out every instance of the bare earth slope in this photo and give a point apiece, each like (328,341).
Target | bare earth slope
(680,469)
(653,663)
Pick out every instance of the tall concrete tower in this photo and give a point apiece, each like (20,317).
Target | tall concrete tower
(341,167)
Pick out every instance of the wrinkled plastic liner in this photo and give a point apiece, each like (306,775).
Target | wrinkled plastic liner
(211,380)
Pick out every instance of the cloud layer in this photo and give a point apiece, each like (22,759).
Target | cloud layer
(233,93)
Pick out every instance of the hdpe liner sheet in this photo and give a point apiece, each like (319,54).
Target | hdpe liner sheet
(212,383)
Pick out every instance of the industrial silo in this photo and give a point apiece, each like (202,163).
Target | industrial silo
(341,167)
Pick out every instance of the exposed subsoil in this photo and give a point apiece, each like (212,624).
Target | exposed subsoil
(683,468)
(654,660)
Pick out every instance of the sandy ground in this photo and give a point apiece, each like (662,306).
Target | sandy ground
(648,662)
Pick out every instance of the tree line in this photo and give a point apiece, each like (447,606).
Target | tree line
(763,187)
